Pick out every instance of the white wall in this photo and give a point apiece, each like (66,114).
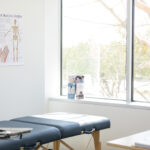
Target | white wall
(52,51)
(124,121)
(22,87)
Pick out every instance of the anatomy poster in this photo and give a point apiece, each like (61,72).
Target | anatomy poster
(11,49)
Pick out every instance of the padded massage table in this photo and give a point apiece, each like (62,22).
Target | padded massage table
(53,127)
(39,135)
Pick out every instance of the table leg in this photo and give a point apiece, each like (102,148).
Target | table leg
(96,138)
(56,145)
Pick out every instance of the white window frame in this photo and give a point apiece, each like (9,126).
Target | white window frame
(129,52)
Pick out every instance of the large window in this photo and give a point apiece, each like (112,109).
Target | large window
(94,44)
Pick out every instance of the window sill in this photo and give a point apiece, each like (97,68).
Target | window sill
(103,102)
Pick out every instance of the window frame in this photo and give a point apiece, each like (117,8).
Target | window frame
(129,53)
(61,47)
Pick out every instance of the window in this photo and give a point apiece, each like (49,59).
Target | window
(94,44)
(142,51)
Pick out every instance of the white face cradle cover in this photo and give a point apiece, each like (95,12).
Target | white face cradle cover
(70,117)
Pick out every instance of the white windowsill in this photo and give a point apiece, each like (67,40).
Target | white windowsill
(103,102)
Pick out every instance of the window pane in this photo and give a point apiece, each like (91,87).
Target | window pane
(94,45)
(142,51)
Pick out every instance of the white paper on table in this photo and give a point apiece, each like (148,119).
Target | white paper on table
(143,143)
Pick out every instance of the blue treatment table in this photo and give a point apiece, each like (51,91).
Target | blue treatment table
(53,127)
(40,134)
